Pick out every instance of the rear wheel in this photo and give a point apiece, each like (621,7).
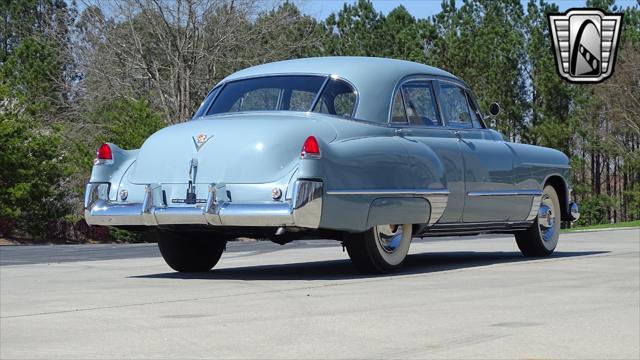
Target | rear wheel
(380,249)
(190,251)
(541,239)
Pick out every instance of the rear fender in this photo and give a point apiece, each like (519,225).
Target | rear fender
(370,163)
(114,171)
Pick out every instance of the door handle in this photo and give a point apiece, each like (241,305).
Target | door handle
(458,135)
(401,132)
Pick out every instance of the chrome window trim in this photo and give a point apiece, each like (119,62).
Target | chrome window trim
(353,87)
(398,85)
(467,91)
(451,126)
(223,84)
(327,77)
(471,98)
(440,122)
(204,113)
(404,109)
(317,97)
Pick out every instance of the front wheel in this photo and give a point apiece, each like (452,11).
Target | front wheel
(541,239)
(190,251)
(380,249)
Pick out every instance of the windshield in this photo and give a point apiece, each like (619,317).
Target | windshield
(282,93)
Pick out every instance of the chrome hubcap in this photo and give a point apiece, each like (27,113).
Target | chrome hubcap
(389,237)
(546,218)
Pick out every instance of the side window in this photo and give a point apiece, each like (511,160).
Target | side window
(454,105)
(398,115)
(419,103)
(337,98)
(415,103)
(344,103)
(476,117)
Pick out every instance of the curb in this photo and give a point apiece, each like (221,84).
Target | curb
(603,229)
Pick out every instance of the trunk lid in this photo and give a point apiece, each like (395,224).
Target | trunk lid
(239,148)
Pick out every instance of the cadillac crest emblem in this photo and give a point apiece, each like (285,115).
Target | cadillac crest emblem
(200,139)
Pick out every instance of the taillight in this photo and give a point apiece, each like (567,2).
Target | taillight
(103,155)
(104,152)
(310,149)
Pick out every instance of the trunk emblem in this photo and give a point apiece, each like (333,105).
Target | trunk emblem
(200,139)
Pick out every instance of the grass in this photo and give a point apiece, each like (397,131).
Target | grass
(627,224)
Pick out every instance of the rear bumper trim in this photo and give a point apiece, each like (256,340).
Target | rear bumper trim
(303,210)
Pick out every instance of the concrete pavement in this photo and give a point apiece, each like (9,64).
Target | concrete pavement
(468,298)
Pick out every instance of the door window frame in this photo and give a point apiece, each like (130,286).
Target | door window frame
(464,89)
(435,82)
(474,104)
(434,94)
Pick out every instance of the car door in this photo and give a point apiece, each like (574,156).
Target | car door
(416,118)
(490,193)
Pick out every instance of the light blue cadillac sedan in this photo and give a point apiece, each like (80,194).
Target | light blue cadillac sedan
(368,151)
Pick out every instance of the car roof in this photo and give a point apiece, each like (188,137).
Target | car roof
(374,78)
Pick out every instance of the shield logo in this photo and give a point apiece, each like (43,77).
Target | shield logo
(585,43)
(200,139)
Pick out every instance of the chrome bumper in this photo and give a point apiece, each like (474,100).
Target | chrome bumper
(303,210)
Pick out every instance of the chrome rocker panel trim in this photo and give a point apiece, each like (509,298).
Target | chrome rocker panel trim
(303,210)
(535,206)
(506,193)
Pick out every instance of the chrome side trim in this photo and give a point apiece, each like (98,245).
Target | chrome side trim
(506,193)
(438,204)
(307,203)
(389,192)
(535,206)
(561,166)
(95,191)
(304,210)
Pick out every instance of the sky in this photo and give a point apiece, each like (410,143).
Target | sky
(320,9)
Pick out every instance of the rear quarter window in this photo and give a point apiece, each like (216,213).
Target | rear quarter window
(337,98)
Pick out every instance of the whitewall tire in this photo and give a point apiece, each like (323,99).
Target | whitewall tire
(381,249)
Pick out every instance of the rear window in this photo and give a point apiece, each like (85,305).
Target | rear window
(282,93)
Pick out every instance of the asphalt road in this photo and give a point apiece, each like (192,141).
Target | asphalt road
(461,298)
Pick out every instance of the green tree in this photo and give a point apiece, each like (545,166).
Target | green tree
(404,36)
(33,166)
(126,122)
(551,98)
(355,31)
(32,93)
(483,43)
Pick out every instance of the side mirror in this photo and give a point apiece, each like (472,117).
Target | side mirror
(494,109)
